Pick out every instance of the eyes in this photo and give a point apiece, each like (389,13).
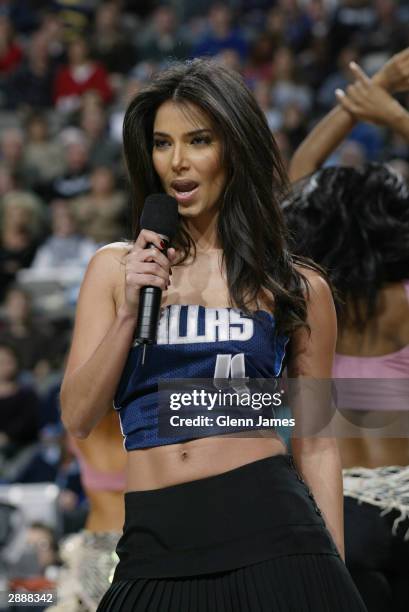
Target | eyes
(162,143)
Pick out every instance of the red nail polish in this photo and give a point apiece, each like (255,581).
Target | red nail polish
(162,244)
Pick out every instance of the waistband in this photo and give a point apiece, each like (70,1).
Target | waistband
(252,513)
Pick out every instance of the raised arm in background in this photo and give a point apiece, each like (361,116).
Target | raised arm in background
(336,125)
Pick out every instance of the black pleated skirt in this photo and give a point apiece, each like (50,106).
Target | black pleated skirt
(248,540)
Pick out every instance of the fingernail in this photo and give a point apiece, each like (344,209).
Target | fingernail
(162,244)
(353,64)
(339,92)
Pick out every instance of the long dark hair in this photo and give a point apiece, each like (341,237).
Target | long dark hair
(251,230)
(355,223)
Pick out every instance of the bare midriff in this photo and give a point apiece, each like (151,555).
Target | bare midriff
(373,452)
(106,511)
(165,466)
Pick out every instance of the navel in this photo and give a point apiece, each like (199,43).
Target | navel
(184,455)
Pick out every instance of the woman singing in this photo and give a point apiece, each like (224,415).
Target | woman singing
(220,522)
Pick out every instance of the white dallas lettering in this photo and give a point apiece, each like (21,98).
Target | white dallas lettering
(220,325)
(230,372)
(241,328)
(227,365)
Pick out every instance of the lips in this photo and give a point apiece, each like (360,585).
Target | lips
(184,185)
(185,190)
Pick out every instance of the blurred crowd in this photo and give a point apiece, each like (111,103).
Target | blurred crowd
(67,72)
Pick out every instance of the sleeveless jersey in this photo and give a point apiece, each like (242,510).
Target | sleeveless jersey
(190,341)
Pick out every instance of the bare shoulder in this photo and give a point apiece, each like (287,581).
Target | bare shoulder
(107,267)
(313,346)
(109,260)
(114,252)
(318,287)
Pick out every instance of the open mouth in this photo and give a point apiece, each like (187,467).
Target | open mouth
(184,189)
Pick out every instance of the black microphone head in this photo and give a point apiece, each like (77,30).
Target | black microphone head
(160,215)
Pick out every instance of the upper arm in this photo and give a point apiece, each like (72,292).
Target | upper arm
(312,353)
(312,350)
(96,308)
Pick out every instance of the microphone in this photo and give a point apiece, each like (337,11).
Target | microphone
(160,215)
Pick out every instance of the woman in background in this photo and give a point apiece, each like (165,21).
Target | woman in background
(355,223)
(89,556)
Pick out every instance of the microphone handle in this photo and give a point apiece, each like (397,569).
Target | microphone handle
(149,310)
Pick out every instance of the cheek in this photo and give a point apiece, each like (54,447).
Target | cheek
(158,164)
(212,168)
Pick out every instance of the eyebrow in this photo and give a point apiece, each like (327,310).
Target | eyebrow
(192,133)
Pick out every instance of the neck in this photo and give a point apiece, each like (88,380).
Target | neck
(203,231)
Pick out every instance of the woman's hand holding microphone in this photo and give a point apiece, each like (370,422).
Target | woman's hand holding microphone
(146,267)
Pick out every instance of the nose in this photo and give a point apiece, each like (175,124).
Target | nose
(180,159)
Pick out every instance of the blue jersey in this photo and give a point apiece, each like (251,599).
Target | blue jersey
(192,342)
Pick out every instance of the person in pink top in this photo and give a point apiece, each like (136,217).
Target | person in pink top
(355,223)
(89,556)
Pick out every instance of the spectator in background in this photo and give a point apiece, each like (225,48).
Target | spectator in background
(110,44)
(102,149)
(43,541)
(11,53)
(163,39)
(298,24)
(75,180)
(52,28)
(11,148)
(32,84)
(275,26)
(287,85)
(136,79)
(32,339)
(22,226)
(23,14)
(8,180)
(259,64)
(389,34)
(351,23)
(81,74)
(42,154)
(65,246)
(262,93)
(229,58)
(12,156)
(338,79)
(221,34)
(294,124)
(19,408)
(101,214)
(75,16)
